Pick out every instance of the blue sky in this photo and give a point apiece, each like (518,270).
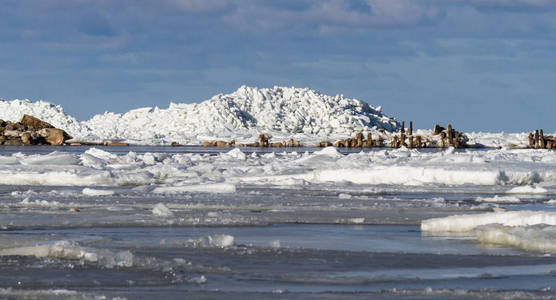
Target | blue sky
(483,65)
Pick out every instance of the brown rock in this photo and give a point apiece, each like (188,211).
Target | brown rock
(34,123)
(13,142)
(53,136)
(222,144)
(26,138)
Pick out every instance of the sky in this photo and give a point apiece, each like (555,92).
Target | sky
(481,65)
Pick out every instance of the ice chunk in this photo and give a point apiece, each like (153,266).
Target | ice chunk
(466,223)
(540,238)
(221,240)
(235,154)
(527,190)
(344,196)
(217,240)
(161,210)
(71,250)
(54,158)
(499,199)
(200,188)
(97,192)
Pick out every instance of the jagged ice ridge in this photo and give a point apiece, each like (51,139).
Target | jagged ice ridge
(282,111)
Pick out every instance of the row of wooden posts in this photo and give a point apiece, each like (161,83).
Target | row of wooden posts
(538,140)
(448,137)
(263,142)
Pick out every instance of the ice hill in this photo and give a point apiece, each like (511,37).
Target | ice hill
(282,111)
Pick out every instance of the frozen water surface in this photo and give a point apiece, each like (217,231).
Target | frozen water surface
(144,222)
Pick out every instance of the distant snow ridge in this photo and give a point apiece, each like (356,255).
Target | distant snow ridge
(245,112)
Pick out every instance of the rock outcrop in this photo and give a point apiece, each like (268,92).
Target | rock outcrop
(31,131)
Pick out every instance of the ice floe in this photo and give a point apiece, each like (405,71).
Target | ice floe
(526,230)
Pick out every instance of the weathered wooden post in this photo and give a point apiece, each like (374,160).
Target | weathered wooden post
(418,141)
(410,141)
(456,141)
(443,139)
(437,129)
(401,142)
(359,139)
(450,135)
(369,140)
(537,139)
(410,128)
(531,140)
(394,142)
(541,137)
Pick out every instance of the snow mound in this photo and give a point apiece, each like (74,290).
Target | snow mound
(247,111)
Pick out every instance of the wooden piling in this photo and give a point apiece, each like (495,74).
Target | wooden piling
(410,127)
(437,129)
(541,137)
(531,140)
(537,139)
(450,135)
